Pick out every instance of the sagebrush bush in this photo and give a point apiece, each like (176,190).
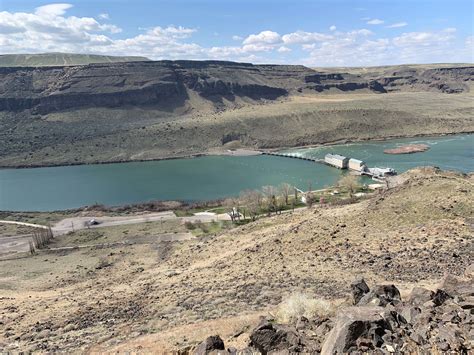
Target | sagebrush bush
(301,304)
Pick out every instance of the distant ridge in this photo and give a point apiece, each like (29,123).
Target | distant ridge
(53,59)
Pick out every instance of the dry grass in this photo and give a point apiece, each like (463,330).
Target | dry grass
(303,305)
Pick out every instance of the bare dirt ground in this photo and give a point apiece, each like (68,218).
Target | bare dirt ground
(13,238)
(153,296)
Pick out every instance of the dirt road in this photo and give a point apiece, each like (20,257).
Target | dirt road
(20,243)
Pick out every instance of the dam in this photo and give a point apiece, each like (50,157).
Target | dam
(342,162)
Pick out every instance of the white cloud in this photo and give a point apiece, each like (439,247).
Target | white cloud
(304,37)
(362,32)
(104,16)
(264,37)
(424,39)
(469,41)
(52,10)
(51,28)
(397,25)
(308,47)
(375,21)
(284,49)
(47,29)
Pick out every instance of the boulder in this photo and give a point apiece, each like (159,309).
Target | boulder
(419,296)
(381,295)
(359,288)
(268,336)
(454,285)
(357,326)
(409,313)
(211,343)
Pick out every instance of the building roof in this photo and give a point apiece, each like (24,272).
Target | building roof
(335,156)
(357,161)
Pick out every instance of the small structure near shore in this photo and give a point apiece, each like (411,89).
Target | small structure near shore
(357,165)
(408,149)
(381,173)
(336,160)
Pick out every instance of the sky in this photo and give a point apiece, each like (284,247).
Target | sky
(317,33)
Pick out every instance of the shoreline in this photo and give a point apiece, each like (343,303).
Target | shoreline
(245,151)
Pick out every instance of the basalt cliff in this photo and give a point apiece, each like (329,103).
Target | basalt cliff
(160,109)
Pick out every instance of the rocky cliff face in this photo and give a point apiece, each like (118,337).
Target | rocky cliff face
(167,85)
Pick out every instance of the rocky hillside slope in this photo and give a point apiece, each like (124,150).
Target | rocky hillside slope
(149,110)
(379,321)
(156,296)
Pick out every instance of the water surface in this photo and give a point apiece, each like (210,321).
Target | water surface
(211,177)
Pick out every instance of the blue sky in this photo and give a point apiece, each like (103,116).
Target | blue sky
(315,33)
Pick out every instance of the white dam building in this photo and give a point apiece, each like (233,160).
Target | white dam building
(357,165)
(339,161)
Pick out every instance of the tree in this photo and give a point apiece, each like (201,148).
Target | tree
(350,183)
(243,204)
(285,190)
(252,201)
(232,210)
(309,195)
(269,193)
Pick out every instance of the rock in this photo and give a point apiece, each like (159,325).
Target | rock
(354,323)
(409,313)
(302,323)
(43,334)
(454,285)
(469,272)
(420,295)
(359,288)
(211,343)
(440,297)
(69,327)
(381,295)
(274,337)
(390,348)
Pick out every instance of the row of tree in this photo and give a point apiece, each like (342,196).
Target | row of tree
(274,199)
(270,199)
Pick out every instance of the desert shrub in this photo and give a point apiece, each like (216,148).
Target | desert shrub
(202,227)
(301,304)
(189,225)
(104,262)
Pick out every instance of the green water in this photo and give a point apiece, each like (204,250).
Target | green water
(206,178)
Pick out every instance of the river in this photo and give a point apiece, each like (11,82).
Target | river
(210,177)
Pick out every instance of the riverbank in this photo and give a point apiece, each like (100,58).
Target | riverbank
(293,122)
(242,152)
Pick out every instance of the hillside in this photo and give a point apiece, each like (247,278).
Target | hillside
(151,110)
(60,59)
(148,295)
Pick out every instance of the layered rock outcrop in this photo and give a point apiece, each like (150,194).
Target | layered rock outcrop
(168,85)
